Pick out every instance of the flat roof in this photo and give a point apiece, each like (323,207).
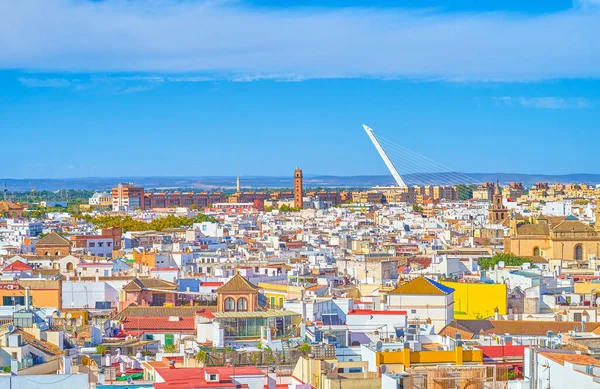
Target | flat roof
(266,314)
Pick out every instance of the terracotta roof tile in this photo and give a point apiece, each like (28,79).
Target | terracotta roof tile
(514,327)
(422,285)
(139,284)
(53,239)
(238,284)
(578,359)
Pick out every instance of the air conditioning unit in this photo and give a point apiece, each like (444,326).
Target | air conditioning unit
(410,338)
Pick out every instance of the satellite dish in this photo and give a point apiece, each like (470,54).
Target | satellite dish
(332,365)
(129,380)
(58,313)
(379,346)
(598,301)
(383,369)
(11,328)
(69,315)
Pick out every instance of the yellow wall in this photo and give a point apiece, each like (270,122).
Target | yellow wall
(478,301)
(408,358)
(586,287)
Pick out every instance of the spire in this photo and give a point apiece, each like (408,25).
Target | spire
(237,185)
(497,189)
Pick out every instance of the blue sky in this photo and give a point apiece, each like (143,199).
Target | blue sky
(121,88)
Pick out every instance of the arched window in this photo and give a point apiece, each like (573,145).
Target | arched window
(579,252)
(242,304)
(58,253)
(229,304)
(69,266)
(536,251)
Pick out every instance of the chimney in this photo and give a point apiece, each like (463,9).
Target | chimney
(27,298)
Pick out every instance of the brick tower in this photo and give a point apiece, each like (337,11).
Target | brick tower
(298,191)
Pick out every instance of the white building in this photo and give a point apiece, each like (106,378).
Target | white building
(424,300)
(561,370)
(99,198)
(25,227)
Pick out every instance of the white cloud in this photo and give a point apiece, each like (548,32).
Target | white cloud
(44,83)
(223,40)
(548,102)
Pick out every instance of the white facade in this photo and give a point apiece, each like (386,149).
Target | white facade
(99,198)
(24,227)
(420,307)
(82,294)
(547,373)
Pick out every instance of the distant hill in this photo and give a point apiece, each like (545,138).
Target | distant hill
(310,181)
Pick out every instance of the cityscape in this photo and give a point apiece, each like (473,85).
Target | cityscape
(315,195)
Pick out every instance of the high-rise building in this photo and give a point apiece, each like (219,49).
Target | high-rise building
(126,197)
(298,190)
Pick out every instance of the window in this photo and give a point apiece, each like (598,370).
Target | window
(108,244)
(536,251)
(413,311)
(242,304)
(92,244)
(158,299)
(272,301)
(229,304)
(105,273)
(579,252)
(15,300)
(577,316)
(168,339)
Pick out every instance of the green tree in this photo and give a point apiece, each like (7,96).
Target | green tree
(170,348)
(508,258)
(305,348)
(201,356)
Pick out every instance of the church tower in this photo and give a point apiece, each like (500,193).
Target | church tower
(298,190)
(238,187)
(497,212)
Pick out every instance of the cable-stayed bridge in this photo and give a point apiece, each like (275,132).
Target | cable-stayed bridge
(409,168)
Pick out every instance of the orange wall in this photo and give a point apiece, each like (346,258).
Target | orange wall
(148,259)
(41,297)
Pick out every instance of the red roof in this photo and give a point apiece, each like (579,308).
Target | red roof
(188,378)
(207,283)
(17,266)
(373,312)
(205,313)
(158,323)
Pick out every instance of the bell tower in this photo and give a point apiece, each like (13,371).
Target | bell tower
(497,212)
(298,190)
